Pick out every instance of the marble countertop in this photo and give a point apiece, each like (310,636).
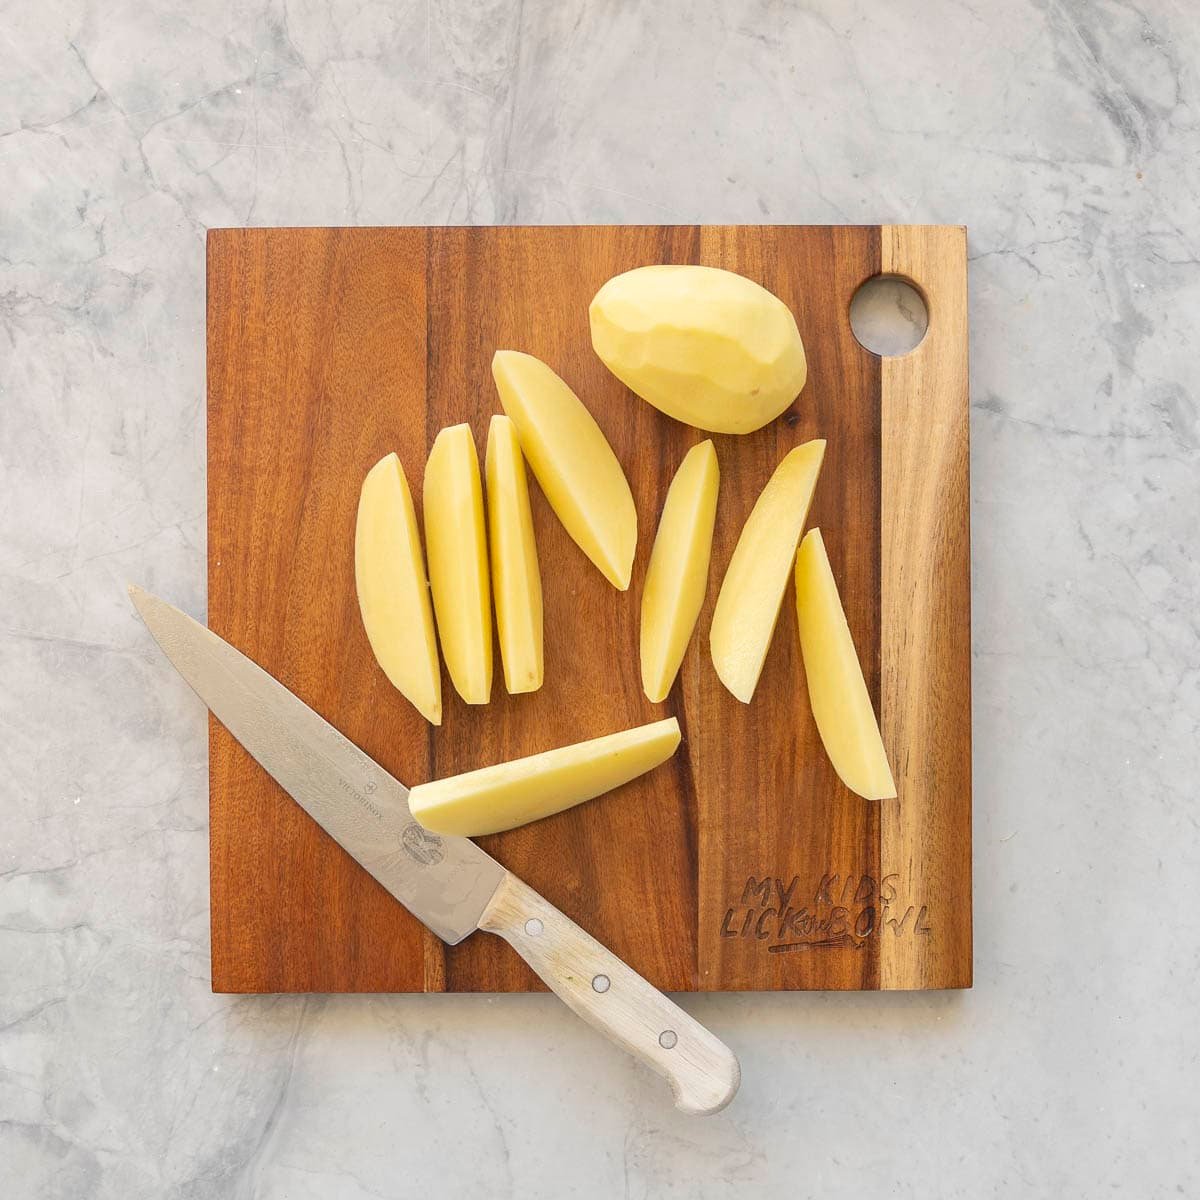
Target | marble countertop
(1064,134)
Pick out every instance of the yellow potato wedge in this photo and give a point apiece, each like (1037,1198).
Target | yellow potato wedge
(677,576)
(572,461)
(705,346)
(456,540)
(502,797)
(751,593)
(393,591)
(516,580)
(841,704)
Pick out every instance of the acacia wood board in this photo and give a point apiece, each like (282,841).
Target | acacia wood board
(743,863)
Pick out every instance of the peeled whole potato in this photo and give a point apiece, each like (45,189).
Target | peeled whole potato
(705,346)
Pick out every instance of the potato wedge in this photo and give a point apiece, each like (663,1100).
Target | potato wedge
(456,541)
(393,591)
(677,576)
(838,693)
(705,346)
(502,797)
(516,580)
(572,461)
(752,591)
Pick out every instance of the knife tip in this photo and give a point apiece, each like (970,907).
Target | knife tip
(136,594)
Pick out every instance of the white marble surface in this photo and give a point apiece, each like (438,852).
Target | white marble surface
(1065,134)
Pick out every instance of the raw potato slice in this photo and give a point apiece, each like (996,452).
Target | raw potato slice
(497,798)
(752,592)
(841,704)
(572,460)
(677,576)
(458,563)
(705,346)
(393,592)
(516,580)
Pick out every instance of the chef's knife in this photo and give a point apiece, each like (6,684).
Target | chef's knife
(446,882)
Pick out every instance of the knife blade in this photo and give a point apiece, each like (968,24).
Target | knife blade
(346,792)
(448,883)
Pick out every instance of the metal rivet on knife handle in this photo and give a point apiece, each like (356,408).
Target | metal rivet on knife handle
(609,994)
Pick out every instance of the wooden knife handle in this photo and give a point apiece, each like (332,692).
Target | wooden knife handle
(702,1070)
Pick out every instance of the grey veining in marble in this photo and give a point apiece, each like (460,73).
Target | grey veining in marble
(1063,133)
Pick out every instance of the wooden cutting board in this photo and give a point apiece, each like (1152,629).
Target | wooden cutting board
(742,864)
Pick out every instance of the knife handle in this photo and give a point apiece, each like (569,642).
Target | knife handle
(605,992)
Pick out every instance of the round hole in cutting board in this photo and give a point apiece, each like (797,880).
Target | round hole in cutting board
(888,316)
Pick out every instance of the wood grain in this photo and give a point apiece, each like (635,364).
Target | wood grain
(926,596)
(771,807)
(316,369)
(743,864)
